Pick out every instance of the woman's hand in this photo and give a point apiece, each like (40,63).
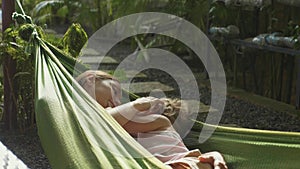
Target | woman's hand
(215,159)
(149,105)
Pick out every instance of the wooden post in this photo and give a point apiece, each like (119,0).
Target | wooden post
(298,84)
(9,70)
(280,78)
(290,77)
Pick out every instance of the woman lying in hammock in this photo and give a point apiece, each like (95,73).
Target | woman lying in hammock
(150,121)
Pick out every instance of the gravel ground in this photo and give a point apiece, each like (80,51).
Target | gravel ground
(27,147)
(241,113)
(237,112)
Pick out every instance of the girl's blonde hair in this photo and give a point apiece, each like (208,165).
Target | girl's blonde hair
(174,108)
(98,74)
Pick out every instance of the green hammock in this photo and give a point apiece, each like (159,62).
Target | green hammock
(76,132)
(251,148)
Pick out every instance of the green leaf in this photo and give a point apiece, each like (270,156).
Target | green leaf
(45,4)
(63,11)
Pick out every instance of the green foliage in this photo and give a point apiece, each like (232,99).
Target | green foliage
(15,44)
(28,5)
(47,11)
(119,74)
(1,81)
(293,30)
(53,12)
(74,39)
(54,39)
(25,31)
(218,14)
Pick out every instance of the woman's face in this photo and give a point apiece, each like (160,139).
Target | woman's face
(108,93)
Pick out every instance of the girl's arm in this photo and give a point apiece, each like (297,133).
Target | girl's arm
(126,112)
(151,122)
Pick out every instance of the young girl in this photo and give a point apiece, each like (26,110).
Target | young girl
(149,120)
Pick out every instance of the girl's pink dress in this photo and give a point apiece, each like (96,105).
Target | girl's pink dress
(165,145)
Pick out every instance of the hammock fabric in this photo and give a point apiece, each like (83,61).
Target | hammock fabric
(251,148)
(76,132)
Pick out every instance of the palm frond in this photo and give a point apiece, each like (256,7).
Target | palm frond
(45,4)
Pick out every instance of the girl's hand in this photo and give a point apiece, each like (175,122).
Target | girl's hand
(149,105)
(215,159)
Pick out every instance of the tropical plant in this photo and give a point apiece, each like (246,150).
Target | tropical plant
(15,44)
(87,13)
(48,11)
(74,39)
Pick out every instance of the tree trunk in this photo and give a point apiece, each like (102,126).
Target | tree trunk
(9,70)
